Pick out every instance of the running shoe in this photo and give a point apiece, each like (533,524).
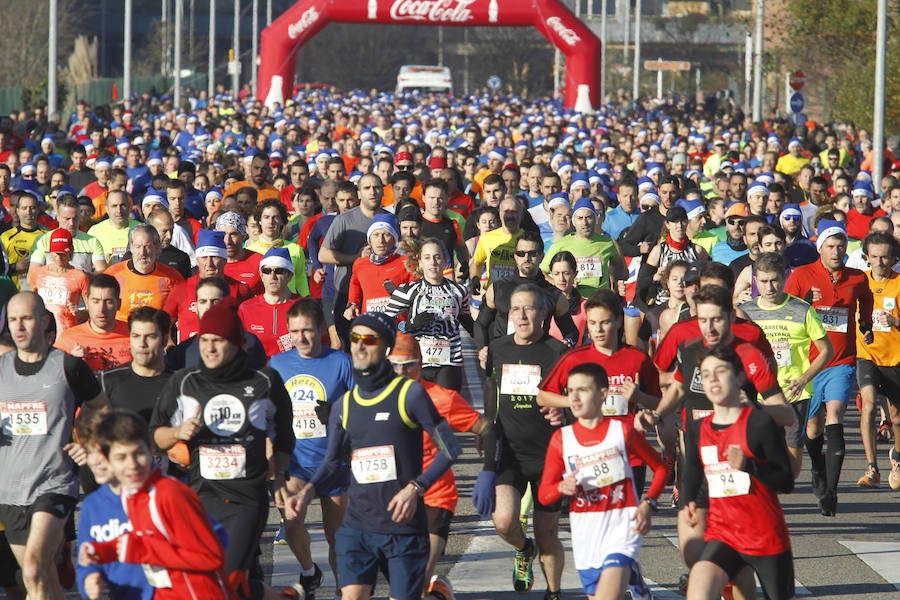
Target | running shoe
(871,478)
(894,477)
(828,505)
(675,497)
(637,587)
(885,433)
(818,483)
(548,595)
(280,538)
(295,592)
(523,576)
(441,588)
(311,583)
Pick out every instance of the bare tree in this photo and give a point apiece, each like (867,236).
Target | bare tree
(25,40)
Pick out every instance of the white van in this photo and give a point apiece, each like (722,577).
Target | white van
(424,78)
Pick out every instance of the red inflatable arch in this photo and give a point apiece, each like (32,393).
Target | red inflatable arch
(280,41)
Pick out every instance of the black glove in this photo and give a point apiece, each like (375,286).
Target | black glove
(323,411)
(389,286)
(420,323)
(475,286)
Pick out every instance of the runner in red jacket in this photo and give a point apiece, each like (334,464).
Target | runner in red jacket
(171,537)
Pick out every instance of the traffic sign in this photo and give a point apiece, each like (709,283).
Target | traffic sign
(797,102)
(494,82)
(797,80)
(667,65)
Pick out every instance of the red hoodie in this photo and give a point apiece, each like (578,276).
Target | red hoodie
(173,539)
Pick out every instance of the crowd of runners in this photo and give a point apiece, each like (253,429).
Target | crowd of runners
(216,307)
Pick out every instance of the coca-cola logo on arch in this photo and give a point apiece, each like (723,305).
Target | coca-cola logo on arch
(435,11)
(567,35)
(306,20)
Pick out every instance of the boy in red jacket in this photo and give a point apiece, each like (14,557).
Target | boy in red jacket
(172,537)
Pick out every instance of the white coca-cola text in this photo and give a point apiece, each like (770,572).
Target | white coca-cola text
(436,11)
(310,16)
(567,35)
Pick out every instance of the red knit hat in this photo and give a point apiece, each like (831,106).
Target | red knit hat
(222,320)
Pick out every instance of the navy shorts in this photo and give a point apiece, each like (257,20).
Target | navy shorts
(335,485)
(362,554)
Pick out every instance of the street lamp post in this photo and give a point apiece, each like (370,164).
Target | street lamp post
(878,114)
(211,61)
(126,56)
(757,65)
(603,31)
(254,45)
(179,7)
(636,85)
(51,61)
(236,44)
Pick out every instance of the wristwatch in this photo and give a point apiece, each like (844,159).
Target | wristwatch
(651,502)
(420,487)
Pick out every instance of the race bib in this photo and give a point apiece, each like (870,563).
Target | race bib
(726,482)
(24,418)
(223,462)
(285,342)
(782,351)
(435,351)
(615,405)
(880,320)
(377,304)
(589,267)
(697,414)
(54,295)
(306,424)
(374,465)
(157,576)
(600,469)
(499,272)
(520,380)
(834,318)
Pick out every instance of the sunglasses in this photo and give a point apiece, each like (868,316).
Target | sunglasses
(646,207)
(403,167)
(790,217)
(368,339)
(277,271)
(528,253)
(736,222)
